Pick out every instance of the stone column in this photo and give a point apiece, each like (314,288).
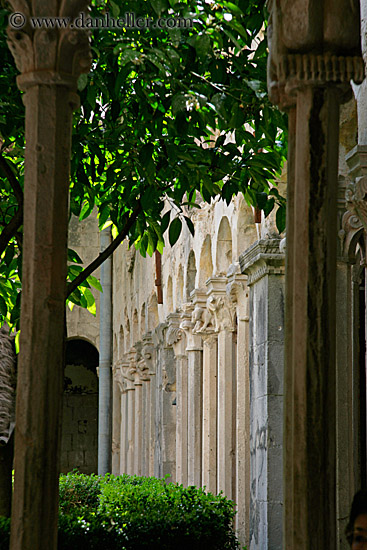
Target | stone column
(123,428)
(158,337)
(148,381)
(264,265)
(123,383)
(314,53)
(50,62)
(176,338)
(116,418)
(223,313)
(209,447)
(352,235)
(239,293)
(130,371)
(138,416)
(194,349)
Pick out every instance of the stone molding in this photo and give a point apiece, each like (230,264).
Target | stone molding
(261,259)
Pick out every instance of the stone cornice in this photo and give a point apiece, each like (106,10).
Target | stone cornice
(261,259)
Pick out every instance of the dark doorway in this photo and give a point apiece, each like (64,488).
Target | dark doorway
(79,448)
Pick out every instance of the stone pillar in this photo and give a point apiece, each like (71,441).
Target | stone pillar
(176,338)
(50,62)
(194,349)
(138,417)
(353,226)
(130,372)
(148,381)
(158,337)
(116,418)
(169,411)
(123,427)
(209,448)
(223,313)
(314,53)
(237,290)
(264,265)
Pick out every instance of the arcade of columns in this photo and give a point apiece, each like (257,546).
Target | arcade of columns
(197,356)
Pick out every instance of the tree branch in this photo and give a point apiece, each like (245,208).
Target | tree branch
(73,285)
(4,166)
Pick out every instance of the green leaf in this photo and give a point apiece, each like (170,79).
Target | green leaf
(165,221)
(93,281)
(174,230)
(74,257)
(190,225)
(280,218)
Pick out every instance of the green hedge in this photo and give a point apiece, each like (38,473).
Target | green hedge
(133,513)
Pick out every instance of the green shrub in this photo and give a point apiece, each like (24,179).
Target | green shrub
(4,533)
(134,513)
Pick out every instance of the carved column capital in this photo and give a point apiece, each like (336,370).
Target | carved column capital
(303,52)
(354,220)
(45,55)
(187,325)
(219,305)
(175,335)
(147,352)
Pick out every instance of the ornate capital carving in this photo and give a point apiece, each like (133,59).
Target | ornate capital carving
(49,56)
(303,52)
(148,354)
(354,220)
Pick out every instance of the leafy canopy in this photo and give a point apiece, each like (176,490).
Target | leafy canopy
(169,116)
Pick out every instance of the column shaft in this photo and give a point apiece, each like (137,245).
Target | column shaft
(194,416)
(130,431)
(225,457)
(209,458)
(181,419)
(138,431)
(40,365)
(123,434)
(310,399)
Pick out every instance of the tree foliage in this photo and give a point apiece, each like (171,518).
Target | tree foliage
(169,116)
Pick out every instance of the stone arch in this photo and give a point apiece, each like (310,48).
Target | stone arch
(246,228)
(153,318)
(206,262)
(190,274)
(80,408)
(224,247)
(169,295)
